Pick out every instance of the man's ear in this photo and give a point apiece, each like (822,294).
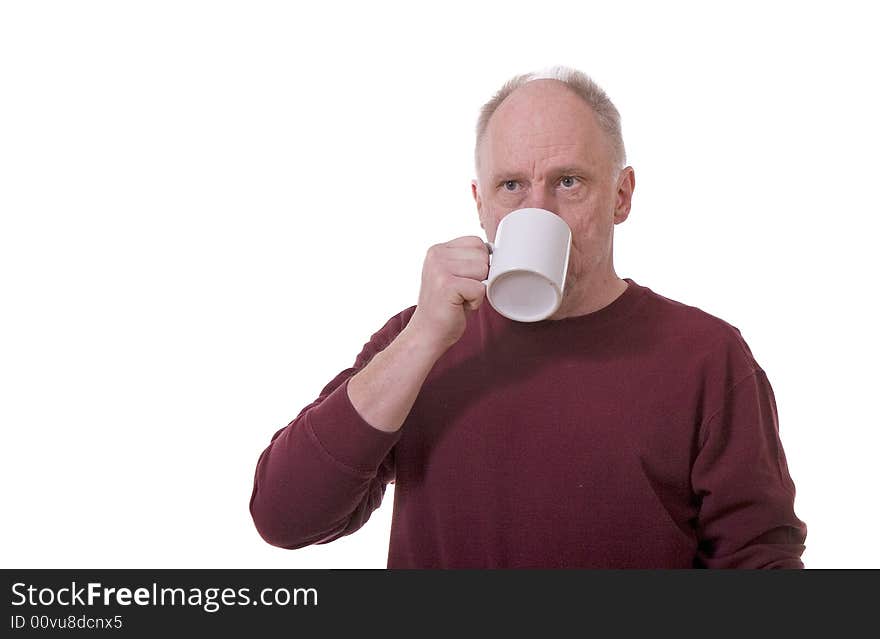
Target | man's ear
(475,191)
(626,184)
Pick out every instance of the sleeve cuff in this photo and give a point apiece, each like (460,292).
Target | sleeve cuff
(346,436)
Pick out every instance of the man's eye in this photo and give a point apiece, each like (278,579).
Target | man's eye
(510,185)
(568,181)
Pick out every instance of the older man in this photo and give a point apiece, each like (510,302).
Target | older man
(627,430)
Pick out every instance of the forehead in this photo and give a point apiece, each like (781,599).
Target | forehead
(543,120)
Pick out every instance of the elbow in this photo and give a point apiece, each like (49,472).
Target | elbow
(276,514)
(284,527)
(273,534)
(274,526)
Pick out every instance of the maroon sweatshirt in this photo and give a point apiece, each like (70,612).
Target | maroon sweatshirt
(643,435)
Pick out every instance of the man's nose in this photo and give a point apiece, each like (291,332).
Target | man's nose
(540,198)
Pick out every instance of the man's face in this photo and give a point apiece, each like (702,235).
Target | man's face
(543,148)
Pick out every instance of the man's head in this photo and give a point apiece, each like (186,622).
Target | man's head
(553,141)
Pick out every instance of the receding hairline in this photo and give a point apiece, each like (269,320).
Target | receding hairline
(606,114)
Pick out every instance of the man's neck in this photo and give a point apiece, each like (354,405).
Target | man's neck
(590,296)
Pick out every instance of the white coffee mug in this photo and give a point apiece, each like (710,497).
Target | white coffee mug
(528,264)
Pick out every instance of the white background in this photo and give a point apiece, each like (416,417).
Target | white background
(208,208)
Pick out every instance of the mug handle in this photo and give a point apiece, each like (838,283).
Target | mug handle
(491,248)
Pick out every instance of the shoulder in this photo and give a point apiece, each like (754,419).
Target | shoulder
(708,339)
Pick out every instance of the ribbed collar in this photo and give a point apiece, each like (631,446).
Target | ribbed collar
(611,314)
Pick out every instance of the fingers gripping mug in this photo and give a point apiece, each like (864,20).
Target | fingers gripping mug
(528,264)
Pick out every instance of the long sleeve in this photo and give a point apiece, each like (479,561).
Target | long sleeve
(323,474)
(746,517)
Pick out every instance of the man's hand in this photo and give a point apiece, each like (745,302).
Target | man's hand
(384,391)
(452,283)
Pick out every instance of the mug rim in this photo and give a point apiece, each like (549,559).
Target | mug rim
(524,318)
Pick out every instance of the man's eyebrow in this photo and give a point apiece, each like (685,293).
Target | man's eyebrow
(571,170)
(503,176)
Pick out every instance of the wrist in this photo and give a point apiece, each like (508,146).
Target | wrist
(421,344)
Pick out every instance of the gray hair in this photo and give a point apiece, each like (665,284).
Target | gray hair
(607,114)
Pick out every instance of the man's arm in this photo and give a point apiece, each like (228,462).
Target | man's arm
(747,517)
(324,474)
(383,393)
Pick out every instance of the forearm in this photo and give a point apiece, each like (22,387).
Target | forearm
(384,391)
(747,517)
